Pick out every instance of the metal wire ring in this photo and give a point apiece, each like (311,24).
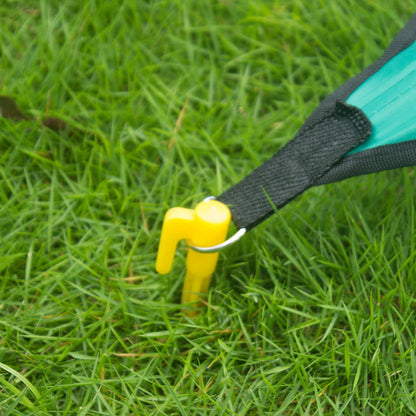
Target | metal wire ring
(222,246)
(219,247)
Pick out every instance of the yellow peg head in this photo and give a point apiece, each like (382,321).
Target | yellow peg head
(177,226)
(205,226)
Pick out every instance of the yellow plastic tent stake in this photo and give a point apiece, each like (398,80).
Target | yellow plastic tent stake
(205,226)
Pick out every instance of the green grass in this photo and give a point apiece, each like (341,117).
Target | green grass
(312,314)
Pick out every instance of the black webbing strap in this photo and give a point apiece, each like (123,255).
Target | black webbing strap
(316,155)
(387,157)
(297,166)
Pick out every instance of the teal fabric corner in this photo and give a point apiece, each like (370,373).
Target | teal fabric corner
(388,98)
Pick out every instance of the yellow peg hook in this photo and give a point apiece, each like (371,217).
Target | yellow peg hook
(205,226)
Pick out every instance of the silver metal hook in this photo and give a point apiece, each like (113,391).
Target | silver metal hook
(219,247)
(222,246)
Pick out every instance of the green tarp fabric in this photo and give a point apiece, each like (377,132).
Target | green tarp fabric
(384,93)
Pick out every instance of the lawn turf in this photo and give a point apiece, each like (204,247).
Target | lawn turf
(313,313)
